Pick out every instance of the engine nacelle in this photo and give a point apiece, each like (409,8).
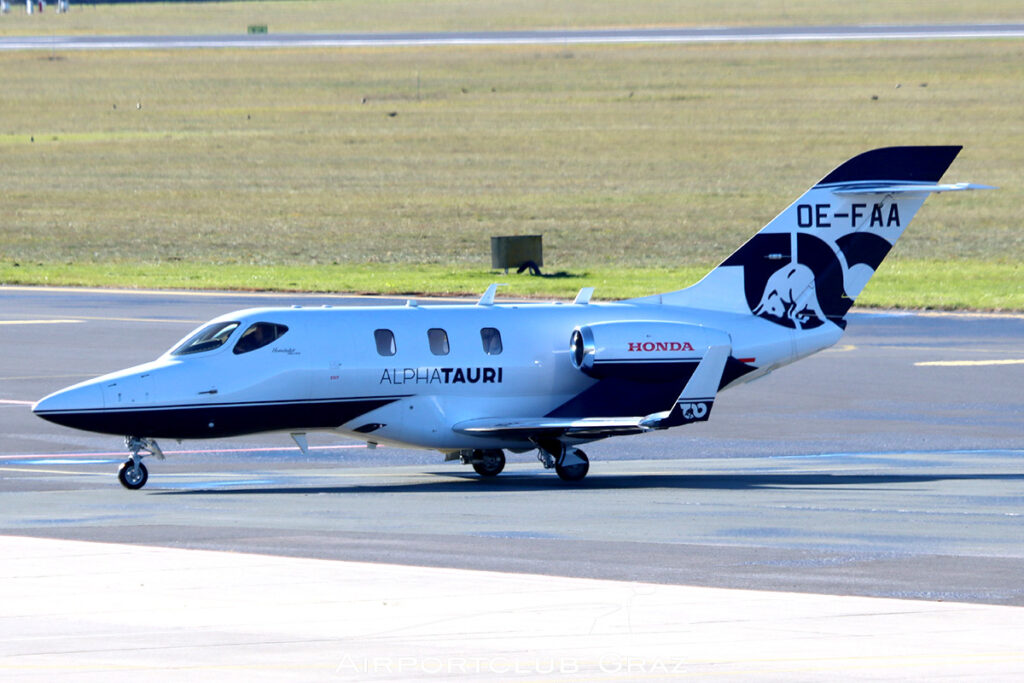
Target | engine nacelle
(642,350)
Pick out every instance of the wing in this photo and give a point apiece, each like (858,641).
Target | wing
(527,428)
(693,405)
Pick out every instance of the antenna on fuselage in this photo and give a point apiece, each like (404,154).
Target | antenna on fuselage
(488,297)
(583,298)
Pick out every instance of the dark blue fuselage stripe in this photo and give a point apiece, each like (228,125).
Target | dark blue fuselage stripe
(217,421)
(190,406)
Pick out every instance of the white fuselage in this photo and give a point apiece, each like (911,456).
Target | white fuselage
(328,373)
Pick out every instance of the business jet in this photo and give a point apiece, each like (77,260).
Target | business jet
(474,381)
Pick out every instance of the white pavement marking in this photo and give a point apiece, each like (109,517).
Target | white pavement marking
(995,315)
(841,348)
(173,321)
(37,322)
(968,363)
(38,470)
(230,293)
(114,612)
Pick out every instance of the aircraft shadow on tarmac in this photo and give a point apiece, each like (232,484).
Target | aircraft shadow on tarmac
(516,483)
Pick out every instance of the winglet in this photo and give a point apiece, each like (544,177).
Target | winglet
(694,403)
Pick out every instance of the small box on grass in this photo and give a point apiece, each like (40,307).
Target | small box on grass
(514,251)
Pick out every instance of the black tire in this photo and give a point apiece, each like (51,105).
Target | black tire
(490,463)
(574,472)
(129,478)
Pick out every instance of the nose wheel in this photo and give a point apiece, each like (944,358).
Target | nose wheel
(132,473)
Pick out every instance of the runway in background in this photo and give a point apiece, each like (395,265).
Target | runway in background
(681,35)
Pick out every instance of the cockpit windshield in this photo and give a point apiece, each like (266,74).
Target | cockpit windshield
(258,335)
(209,338)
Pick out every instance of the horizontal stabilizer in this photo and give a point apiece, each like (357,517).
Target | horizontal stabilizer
(905,188)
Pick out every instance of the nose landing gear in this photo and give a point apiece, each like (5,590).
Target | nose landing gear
(132,473)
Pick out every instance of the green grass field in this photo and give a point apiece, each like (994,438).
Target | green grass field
(903,284)
(389,169)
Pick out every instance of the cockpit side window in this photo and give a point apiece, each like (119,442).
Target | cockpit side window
(209,338)
(259,335)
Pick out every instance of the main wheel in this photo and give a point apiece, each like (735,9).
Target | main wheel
(131,477)
(490,463)
(576,471)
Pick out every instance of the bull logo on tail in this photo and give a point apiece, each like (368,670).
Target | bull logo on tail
(789,296)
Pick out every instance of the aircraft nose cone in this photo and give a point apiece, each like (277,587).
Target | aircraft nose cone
(69,406)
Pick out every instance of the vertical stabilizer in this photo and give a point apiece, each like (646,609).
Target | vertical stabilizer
(808,265)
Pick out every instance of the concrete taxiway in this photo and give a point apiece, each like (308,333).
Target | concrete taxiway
(122,612)
(889,467)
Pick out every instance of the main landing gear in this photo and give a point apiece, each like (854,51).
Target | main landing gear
(132,473)
(486,462)
(570,463)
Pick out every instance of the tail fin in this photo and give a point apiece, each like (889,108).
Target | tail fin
(808,265)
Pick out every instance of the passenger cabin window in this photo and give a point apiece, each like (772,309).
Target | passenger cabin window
(438,341)
(259,335)
(207,339)
(385,342)
(491,339)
